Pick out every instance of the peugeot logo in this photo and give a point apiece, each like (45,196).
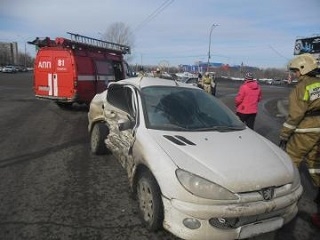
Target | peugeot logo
(267,193)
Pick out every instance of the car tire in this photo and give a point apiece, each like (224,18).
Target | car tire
(97,137)
(150,203)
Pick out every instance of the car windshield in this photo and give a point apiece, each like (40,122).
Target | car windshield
(186,109)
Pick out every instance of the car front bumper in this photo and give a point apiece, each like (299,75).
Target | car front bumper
(231,221)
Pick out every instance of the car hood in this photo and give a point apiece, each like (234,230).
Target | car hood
(240,161)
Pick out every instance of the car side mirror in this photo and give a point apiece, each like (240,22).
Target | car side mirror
(125,124)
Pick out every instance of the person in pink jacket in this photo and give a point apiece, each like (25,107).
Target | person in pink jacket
(247,100)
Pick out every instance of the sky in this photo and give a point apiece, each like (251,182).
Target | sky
(173,32)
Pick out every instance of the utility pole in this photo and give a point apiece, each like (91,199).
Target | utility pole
(25,55)
(211,28)
(25,49)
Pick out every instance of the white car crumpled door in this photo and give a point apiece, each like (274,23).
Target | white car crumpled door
(122,108)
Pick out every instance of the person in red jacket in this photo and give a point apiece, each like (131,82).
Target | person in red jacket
(247,100)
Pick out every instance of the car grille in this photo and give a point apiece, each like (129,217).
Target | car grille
(231,223)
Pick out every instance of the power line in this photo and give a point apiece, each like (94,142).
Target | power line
(278,53)
(155,13)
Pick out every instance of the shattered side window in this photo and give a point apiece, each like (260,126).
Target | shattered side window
(122,97)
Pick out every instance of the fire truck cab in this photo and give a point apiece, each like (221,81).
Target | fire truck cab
(73,70)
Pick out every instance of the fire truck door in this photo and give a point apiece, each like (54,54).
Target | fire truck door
(62,76)
(43,75)
(104,74)
(53,84)
(86,79)
(57,77)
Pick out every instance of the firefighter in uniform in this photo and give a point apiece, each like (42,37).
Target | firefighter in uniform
(141,72)
(157,73)
(300,133)
(206,82)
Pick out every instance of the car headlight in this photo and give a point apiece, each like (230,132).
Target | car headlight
(202,187)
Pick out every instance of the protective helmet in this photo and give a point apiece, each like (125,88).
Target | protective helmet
(158,70)
(207,74)
(249,76)
(304,63)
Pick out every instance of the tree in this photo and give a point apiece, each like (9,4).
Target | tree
(120,33)
(24,59)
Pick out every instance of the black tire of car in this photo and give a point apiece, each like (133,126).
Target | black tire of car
(97,137)
(149,200)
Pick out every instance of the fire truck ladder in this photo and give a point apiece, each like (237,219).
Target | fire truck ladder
(99,43)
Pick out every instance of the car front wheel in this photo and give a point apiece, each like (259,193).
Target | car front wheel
(98,134)
(150,203)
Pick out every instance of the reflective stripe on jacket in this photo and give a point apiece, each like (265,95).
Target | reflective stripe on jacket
(303,99)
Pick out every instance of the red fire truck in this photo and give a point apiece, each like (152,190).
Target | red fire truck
(73,70)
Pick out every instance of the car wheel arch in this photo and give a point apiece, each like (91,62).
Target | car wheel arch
(96,120)
(140,169)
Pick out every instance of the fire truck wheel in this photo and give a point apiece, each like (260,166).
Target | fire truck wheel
(98,135)
(64,105)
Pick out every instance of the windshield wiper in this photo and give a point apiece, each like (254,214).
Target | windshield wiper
(221,128)
(172,127)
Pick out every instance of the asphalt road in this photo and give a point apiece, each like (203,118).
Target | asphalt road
(52,187)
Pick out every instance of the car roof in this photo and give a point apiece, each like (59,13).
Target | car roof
(142,82)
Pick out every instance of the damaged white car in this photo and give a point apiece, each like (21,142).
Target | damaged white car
(196,169)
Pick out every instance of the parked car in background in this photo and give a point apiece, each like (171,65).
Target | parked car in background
(290,82)
(21,68)
(277,82)
(274,81)
(187,159)
(9,69)
(190,80)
